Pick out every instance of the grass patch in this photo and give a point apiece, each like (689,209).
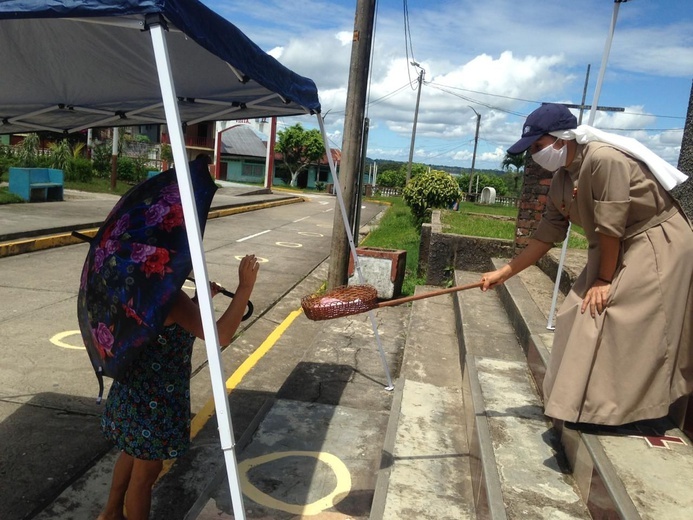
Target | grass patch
(98,185)
(463,224)
(396,230)
(9,198)
(495,209)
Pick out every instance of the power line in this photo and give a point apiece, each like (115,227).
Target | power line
(538,102)
(408,47)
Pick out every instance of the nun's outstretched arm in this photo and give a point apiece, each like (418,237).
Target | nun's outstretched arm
(528,256)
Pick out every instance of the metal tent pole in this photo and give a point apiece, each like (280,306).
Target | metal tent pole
(192,226)
(352,247)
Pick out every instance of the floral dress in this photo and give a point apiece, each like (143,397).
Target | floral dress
(147,413)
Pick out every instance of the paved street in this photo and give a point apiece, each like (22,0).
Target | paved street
(49,427)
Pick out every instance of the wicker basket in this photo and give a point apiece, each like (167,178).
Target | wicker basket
(342,301)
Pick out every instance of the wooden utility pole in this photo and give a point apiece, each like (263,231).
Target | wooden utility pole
(353,137)
(416,119)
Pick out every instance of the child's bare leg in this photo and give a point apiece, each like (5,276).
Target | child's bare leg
(139,494)
(119,485)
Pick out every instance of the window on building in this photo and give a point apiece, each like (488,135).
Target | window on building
(322,175)
(253,170)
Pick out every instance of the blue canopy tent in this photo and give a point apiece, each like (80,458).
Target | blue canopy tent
(71,65)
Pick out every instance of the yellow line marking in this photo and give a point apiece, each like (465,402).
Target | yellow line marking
(208,409)
(17,247)
(60,336)
(340,491)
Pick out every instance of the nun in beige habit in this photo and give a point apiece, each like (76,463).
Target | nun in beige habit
(623,345)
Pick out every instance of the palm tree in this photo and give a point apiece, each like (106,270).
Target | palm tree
(516,161)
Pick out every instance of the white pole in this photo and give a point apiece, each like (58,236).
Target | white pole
(352,247)
(192,226)
(605,59)
(557,283)
(590,121)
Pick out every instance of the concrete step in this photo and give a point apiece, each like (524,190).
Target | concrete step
(628,473)
(518,468)
(425,465)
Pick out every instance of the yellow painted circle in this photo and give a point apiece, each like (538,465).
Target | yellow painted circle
(57,340)
(341,490)
(259,259)
(288,244)
(310,234)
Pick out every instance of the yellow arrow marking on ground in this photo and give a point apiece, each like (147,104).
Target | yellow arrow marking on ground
(341,490)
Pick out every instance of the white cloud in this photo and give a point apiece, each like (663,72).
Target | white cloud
(502,57)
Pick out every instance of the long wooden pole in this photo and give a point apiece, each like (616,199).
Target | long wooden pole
(398,301)
(353,137)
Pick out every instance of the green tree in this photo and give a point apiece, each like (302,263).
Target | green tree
(515,165)
(397,177)
(392,178)
(299,148)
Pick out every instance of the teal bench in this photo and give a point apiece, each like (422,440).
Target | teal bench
(34,184)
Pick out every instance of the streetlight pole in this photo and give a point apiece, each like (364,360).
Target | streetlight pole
(416,117)
(476,141)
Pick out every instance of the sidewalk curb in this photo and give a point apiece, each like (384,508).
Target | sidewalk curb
(57,237)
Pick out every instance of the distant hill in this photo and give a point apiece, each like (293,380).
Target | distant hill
(454,170)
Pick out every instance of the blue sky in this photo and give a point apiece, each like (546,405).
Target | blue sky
(502,57)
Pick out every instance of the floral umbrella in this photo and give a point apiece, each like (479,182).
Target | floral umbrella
(137,262)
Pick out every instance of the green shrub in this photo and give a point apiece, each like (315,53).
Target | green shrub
(61,155)
(79,170)
(319,186)
(102,155)
(434,189)
(127,169)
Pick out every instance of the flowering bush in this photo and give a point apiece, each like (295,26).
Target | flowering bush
(434,189)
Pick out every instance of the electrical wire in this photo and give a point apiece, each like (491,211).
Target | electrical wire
(408,47)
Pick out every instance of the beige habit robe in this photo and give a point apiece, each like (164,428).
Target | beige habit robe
(632,361)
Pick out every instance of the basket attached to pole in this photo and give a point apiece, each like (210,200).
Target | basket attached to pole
(342,301)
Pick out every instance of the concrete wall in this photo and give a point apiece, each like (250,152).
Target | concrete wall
(441,253)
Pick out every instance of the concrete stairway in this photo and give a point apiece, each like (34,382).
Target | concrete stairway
(619,473)
(425,469)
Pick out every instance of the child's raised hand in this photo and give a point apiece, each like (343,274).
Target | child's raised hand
(247,271)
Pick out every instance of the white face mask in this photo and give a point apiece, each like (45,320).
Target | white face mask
(551,159)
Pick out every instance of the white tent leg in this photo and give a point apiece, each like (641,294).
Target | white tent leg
(199,267)
(550,325)
(352,247)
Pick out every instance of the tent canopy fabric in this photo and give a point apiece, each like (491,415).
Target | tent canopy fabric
(68,66)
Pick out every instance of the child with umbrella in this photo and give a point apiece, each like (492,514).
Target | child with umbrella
(147,412)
